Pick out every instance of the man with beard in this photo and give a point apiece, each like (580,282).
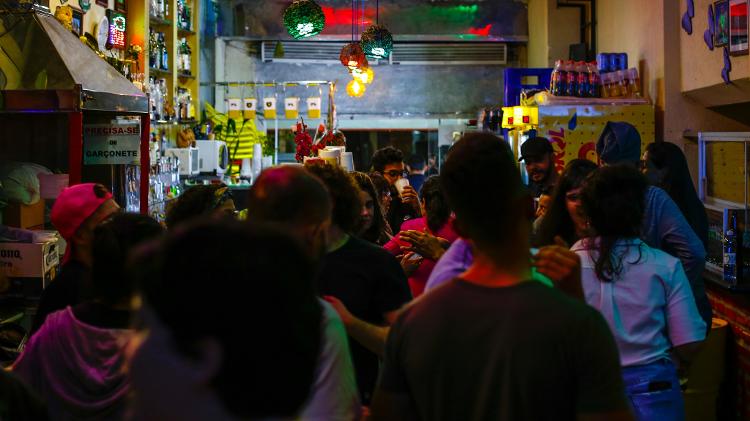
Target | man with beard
(296,200)
(540,165)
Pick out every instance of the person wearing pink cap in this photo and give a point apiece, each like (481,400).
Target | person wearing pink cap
(76,212)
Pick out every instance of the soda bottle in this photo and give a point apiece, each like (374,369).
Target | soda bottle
(605,85)
(555,78)
(730,252)
(602,62)
(634,83)
(562,82)
(583,80)
(594,81)
(572,87)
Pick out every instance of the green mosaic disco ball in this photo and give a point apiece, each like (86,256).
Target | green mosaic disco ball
(304,18)
(377,42)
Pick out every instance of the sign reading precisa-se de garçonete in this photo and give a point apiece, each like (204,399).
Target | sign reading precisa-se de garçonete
(106,144)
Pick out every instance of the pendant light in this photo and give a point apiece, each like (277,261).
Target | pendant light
(377,41)
(304,18)
(352,55)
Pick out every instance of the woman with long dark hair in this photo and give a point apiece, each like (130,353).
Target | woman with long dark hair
(642,292)
(431,234)
(665,166)
(373,226)
(564,217)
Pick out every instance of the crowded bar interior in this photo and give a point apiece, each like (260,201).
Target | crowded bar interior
(341,210)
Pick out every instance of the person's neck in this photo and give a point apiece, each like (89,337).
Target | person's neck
(514,269)
(81,254)
(337,238)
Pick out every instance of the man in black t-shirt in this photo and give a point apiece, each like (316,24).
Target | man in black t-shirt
(493,344)
(366,278)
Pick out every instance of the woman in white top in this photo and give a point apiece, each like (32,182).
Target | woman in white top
(642,292)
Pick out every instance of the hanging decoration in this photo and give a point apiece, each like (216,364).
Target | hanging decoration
(355,88)
(364,75)
(352,56)
(304,18)
(377,42)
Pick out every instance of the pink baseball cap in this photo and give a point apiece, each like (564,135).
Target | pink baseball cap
(74,205)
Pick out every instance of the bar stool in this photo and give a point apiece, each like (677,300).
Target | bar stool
(706,374)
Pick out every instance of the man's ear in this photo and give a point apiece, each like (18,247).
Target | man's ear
(527,204)
(459,228)
(205,361)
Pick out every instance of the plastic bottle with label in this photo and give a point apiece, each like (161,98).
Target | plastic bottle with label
(572,87)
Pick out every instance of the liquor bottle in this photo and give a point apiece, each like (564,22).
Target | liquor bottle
(160,9)
(185,65)
(188,18)
(730,252)
(153,47)
(180,7)
(164,54)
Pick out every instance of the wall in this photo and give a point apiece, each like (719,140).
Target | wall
(552,30)
(406,91)
(649,31)
(91,18)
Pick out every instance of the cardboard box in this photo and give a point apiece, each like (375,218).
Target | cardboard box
(24,216)
(30,266)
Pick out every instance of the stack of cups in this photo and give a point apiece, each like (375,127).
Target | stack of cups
(347,161)
(332,156)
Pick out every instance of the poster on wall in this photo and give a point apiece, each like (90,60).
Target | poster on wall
(738,27)
(77,21)
(111,144)
(103,3)
(121,6)
(721,17)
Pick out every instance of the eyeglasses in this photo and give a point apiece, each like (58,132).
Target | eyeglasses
(396,173)
(573,197)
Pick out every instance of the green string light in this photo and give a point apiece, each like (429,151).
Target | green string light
(304,18)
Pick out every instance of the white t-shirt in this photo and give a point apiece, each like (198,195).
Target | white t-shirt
(334,394)
(649,306)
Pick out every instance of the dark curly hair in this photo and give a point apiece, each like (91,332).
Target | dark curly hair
(557,221)
(436,205)
(385,156)
(379,232)
(344,194)
(172,276)
(196,201)
(613,198)
(113,242)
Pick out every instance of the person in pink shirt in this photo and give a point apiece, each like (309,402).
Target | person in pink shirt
(422,241)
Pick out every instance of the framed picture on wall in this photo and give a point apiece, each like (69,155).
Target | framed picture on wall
(738,23)
(121,6)
(721,16)
(103,3)
(77,20)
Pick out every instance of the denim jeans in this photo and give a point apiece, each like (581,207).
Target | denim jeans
(664,404)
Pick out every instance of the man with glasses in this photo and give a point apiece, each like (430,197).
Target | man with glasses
(540,165)
(389,162)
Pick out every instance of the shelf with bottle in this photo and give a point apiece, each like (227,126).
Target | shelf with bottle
(182,33)
(184,18)
(156,21)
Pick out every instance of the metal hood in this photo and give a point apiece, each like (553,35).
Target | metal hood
(45,67)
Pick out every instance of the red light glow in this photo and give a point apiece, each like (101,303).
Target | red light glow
(482,32)
(344,16)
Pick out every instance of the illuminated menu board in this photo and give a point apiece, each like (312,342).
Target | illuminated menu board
(117,25)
